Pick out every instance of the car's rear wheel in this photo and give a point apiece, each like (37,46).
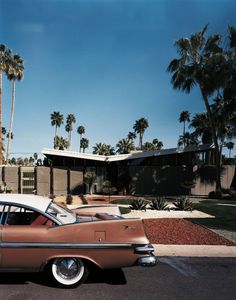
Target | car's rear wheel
(68,271)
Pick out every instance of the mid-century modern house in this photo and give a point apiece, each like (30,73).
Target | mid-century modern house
(161,172)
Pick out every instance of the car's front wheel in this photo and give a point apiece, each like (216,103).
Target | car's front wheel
(68,271)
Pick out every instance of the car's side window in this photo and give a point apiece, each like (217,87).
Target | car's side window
(14,215)
(2,213)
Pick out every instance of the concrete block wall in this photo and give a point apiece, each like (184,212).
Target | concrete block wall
(59,181)
(11,178)
(1,175)
(43,181)
(76,185)
(168,180)
(161,180)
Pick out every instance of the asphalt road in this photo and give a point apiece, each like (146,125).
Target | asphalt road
(172,278)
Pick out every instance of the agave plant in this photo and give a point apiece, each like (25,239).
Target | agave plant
(159,204)
(183,203)
(139,204)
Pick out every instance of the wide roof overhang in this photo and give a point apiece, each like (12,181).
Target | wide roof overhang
(130,156)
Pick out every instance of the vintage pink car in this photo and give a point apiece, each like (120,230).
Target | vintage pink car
(37,234)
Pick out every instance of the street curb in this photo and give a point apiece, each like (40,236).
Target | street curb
(195,250)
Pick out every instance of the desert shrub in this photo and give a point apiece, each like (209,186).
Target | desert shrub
(158,204)
(83,198)
(124,210)
(122,201)
(69,199)
(212,195)
(2,188)
(107,188)
(138,204)
(90,178)
(183,203)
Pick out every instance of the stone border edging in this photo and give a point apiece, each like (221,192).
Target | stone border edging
(195,250)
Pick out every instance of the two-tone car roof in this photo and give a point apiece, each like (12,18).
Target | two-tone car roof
(34,201)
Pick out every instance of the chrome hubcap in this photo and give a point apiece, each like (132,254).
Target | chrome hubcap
(68,268)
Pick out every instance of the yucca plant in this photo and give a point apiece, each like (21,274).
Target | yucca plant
(183,203)
(159,204)
(139,204)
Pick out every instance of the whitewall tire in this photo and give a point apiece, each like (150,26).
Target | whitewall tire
(68,271)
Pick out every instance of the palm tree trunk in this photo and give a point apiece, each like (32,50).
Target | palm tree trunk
(0,117)
(141,140)
(184,134)
(69,140)
(55,136)
(80,143)
(217,149)
(11,120)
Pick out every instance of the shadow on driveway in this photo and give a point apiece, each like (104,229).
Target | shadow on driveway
(112,277)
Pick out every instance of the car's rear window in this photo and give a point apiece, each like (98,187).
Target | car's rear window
(64,215)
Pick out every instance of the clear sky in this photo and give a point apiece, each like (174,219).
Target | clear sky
(104,61)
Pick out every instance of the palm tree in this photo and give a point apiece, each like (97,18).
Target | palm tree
(201,125)
(103,149)
(69,126)
(139,127)
(149,146)
(187,139)
(109,150)
(56,120)
(158,144)
(131,136)
(14,72)
(61,143)
(230,146)
(84,143)
(99,149)
(183,118)
(80,131)
(35,156)
(4,54)
(225,120)
(124,146)
(203,62)
(68,129)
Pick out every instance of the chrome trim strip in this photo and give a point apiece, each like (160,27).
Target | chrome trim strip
(66,245)
(145,249)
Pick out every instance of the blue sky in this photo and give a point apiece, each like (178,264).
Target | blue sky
(104,61)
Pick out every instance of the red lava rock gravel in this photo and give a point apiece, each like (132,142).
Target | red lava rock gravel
(181,232)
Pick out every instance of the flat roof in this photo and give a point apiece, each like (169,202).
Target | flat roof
(132,155)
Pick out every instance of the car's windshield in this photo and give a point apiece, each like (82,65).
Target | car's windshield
(64,215)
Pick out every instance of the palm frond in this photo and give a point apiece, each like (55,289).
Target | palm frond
(212,44)
(232,36)
(183,45)
(188,84)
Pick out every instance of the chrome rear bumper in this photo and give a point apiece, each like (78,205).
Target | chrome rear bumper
(147,261)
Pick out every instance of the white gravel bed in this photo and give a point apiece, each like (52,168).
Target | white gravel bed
(149,214)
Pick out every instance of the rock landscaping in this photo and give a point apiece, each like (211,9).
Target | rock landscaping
(181,232)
